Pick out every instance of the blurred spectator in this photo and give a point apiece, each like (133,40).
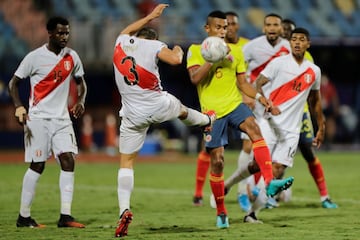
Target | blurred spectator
(330,105)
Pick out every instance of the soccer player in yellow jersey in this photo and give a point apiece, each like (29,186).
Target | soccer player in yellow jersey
(219,85)
(203,159)
(307,135)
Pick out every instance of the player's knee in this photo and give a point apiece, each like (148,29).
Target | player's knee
(37,167)
(67,162)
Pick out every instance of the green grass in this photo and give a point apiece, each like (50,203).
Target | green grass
(162,207)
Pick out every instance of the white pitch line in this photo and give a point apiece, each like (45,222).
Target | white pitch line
(189,192)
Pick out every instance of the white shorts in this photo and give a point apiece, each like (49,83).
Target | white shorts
(133,128)
(48,136)
(282,144)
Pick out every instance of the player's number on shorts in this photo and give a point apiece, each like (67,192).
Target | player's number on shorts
(291,152)
(131,77)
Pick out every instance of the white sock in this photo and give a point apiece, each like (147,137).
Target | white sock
(240,173)
(28,191)
(195,118)
(66,184)
(259,202)
(243,160)
(125,187)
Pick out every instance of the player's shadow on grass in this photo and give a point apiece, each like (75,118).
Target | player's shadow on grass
(177,229)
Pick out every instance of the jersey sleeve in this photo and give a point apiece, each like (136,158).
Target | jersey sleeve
(316,85)
(25,68)
(194,57)
(78,67)
(247,51)
(241,67)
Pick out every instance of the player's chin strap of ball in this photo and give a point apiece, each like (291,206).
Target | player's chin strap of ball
(258,96)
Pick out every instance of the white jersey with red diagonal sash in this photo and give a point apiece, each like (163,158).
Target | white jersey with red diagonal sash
(137,75)
(50,77)
(259,52)
(288,88)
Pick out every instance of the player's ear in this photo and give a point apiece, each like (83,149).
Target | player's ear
(207,28)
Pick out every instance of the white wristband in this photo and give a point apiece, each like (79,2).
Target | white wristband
(258,96)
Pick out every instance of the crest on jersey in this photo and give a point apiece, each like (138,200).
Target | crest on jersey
(307,78)
(67,65)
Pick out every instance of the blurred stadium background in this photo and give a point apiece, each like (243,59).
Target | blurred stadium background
(333,24)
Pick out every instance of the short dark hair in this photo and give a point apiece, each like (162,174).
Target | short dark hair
(231,13)
(301,30)
(216,14)
(288,21)
(148,33)
(53,21)
(273,15)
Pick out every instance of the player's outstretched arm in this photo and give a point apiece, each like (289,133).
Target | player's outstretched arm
(135,26)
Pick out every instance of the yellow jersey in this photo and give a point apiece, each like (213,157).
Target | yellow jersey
(219,91)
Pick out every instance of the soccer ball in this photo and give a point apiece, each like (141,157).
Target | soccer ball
(213,49)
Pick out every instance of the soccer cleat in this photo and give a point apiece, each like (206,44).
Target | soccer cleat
(69,221)
(28,222)
(123,223)
(197,201)
(251,218)
(327,203)
(278,185)
(271,203)
(212,201)
(244,202)
(222,221)
(212,117)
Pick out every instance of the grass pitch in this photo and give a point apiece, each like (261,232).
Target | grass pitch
(162,203)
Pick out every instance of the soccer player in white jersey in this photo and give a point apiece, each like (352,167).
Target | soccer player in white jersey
(47,126)
(258,52)
(306,137)
(289,81)
(144,102)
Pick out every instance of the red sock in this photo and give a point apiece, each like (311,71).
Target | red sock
(317,173)
(217,188)
(203,163)
(257,177)
(263,159)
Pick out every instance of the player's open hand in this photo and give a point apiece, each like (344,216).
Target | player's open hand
(158,10)
(77,110)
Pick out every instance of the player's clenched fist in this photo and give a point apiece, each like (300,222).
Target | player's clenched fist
(20,114)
